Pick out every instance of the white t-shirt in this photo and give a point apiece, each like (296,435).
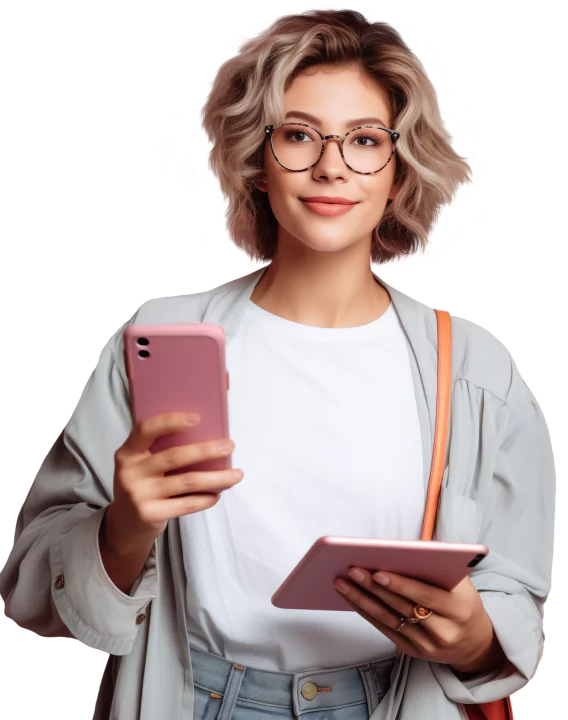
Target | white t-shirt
(326,431)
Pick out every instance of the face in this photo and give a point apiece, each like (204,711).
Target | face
(334,95)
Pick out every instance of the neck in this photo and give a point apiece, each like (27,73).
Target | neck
(330,289)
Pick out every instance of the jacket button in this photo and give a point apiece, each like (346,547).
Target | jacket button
(309,691)
(59,582)
(140,619)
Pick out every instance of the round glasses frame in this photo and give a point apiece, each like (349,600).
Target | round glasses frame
(269,129)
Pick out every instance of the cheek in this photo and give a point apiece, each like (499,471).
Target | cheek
(284,187)
(377,186)
(376,192)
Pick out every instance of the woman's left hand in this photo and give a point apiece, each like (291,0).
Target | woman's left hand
(459,632)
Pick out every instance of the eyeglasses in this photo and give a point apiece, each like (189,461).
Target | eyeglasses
(302,154)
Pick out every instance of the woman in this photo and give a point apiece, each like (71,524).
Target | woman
(332,405)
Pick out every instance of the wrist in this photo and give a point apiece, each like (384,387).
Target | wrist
(491,658)
(116,536)
(123,562)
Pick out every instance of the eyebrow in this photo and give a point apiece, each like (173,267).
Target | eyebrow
(348,123)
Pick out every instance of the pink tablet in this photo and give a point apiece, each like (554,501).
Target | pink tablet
(310,584)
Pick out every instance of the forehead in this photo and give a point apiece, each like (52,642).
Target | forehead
(335,94)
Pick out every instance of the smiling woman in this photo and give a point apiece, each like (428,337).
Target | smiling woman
(329,145)
(357,162)
(309,67)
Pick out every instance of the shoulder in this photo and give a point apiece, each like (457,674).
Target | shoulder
(192,307)
(482,359)
(189,308)
(478,357)
(183,308)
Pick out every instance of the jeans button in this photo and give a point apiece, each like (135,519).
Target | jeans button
(309,691)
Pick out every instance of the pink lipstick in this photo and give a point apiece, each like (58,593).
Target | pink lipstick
(328,206)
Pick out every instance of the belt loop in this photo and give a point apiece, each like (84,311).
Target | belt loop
(370,687)
(231,692)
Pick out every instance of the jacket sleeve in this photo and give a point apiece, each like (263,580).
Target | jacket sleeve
(514,580)
(54,582)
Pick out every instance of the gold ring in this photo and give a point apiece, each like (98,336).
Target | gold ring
(421,612)
(403,621)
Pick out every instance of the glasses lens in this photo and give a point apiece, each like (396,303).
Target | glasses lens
(367,149)
(298,147)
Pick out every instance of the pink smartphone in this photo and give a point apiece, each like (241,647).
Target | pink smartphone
(310,584)
(180,368)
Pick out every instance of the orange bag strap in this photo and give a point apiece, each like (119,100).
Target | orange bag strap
(499,709)
(443,393)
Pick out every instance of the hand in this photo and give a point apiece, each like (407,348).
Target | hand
(145,498)
(459,633)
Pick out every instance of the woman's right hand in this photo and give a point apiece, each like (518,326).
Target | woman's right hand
(145,498)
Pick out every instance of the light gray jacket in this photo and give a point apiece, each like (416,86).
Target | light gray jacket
(498,489)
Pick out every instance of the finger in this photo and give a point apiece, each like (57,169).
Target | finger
(180,456)
(146,431)
(377,610)
(402,605)
(437,599)
(206,481)
(402,641)
(437,627)
(184,505)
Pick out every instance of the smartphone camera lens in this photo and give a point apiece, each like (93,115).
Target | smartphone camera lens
(476,560)
(143,341)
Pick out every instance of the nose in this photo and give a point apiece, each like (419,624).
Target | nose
(331,162)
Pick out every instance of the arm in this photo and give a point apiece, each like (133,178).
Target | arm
(515,578)
(123,568)
(54,582)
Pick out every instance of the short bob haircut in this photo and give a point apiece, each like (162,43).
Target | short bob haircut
(248,93)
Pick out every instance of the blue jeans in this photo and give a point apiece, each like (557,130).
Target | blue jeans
(231,691)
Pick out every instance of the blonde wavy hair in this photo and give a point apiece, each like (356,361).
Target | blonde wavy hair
(248,93)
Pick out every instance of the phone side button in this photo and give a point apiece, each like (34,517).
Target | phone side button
(227,376)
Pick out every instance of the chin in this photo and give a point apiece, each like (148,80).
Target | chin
(327,244)
(318,237)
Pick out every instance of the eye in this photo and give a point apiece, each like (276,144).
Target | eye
(368,137)
(365,137)
(294,133)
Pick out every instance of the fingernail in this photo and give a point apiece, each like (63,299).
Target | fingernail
(356,575)
(342,587)
(381,579)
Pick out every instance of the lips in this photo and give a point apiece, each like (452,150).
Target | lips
(330,209)
(329,200)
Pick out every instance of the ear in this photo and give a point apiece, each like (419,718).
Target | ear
(262,186)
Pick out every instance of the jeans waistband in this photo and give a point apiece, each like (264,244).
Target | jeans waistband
(305,690)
